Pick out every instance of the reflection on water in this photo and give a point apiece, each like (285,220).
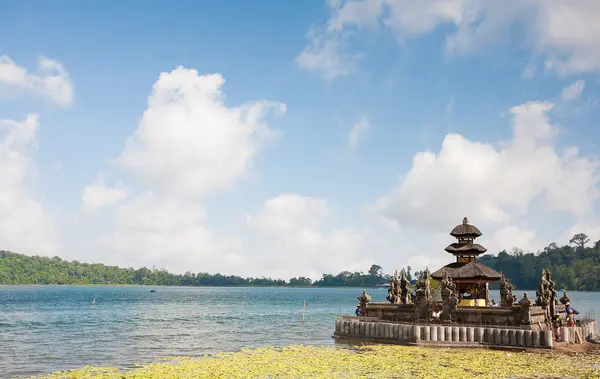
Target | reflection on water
(44,329)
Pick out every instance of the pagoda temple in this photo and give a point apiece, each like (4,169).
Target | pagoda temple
(472,279)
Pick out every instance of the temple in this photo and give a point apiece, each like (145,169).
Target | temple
(472,279)
(458,312)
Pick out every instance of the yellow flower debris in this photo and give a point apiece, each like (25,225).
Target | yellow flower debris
(376,361)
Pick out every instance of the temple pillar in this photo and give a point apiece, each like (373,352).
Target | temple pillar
(547,338)
(513,338)
(433,333)
(528,338)
(455,334)
(535,337)
(521,337)
(497,336)
(462,334)
(416,332)
(426,334)
(448,333)
(504,337)
(471,334)
(564,334)
(479,334)
(441,333)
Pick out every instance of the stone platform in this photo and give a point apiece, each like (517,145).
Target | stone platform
(348,328)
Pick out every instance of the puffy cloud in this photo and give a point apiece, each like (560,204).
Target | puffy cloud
(358,129)
(98,196)
(188,141)
(293,235)
(188,145)
(24,224)
(50,80)
(573,91)
(565,33)
(495,186)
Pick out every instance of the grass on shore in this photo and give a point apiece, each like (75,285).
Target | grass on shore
(378,361)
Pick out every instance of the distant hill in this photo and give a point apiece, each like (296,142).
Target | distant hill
(575,268)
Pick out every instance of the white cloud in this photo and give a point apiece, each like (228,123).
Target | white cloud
(573,91)
(50,80)
(24,225)
(189,142)
(293,235)
(565,33)
(493,186)
(188,145)
(327,57)
(358,129)
(98,196)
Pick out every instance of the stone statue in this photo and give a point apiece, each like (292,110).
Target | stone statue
(506,296)
(394,289)
(405,289)
(363,299)
(453,300)
(565,299)
(542,292)
(525,304)
(553,300)
(427,286)
(449,299)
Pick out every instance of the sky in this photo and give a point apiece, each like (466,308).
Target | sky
(287,138)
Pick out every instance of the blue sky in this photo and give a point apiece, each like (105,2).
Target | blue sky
(420,78)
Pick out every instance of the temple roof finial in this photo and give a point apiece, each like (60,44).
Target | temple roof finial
(465,221)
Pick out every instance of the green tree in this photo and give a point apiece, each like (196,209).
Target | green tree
(579,239)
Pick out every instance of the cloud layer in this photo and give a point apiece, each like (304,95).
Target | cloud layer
(50,80)
(564,35)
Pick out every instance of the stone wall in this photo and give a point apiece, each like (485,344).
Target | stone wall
(578,334)
(447,335)
(464,315)
(391,312)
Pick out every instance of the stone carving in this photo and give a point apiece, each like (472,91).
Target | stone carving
(542,293)
(525,304)
(423,288)
(506,296)
(449,299)
(394,289)
(553,300)
(547,297)
(404,289)
(363,299)
(565,299)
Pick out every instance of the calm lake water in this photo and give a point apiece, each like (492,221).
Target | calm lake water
(50,328)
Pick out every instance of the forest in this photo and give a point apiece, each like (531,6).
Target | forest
(575,266)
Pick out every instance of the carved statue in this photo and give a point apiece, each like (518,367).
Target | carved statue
(449,299)
(565,299)
(543,295)
(525,304)
(427,285)
(553,300)
(506,296)
(453,300)
(394,290)
(363,299)
(405,289)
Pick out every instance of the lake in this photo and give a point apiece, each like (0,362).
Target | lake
(51,328)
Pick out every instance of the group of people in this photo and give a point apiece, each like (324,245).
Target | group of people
(570,313)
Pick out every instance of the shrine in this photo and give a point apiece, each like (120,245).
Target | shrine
(464,316)
(472,279)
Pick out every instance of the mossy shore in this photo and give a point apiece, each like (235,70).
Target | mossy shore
(378,361)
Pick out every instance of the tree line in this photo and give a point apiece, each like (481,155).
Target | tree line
(575,267)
